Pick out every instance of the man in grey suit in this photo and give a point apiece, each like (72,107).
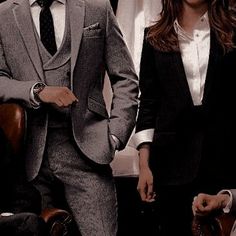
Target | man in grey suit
(71,138)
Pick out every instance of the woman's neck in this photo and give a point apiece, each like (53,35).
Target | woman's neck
(190,15)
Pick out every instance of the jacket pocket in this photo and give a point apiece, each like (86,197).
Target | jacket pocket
(92,27)
(97,107)
(92,31)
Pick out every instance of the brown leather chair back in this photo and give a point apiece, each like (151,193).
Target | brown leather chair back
(12,122)
(213,225)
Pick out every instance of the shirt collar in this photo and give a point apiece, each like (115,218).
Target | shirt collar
(202,24)
(32,2)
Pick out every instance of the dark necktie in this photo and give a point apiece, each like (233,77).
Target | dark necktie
(47,33)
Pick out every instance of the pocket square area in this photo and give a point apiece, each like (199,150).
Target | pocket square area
(93,26)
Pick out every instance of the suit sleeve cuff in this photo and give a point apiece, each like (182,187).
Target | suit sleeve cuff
(144,136)
(228,207)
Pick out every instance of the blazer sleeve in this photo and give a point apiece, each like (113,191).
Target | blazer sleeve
(149,88)
(10,88)
(124,81)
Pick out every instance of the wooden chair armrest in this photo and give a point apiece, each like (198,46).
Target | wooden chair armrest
(13,123)
(219,224)
(57,220)
(226,222)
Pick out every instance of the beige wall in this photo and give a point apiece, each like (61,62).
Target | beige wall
(133,16)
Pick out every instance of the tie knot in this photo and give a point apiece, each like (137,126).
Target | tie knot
(45,3)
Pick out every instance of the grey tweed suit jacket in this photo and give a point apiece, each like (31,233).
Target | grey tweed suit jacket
(96,45)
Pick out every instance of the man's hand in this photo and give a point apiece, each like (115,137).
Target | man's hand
(61,96)
(203,204)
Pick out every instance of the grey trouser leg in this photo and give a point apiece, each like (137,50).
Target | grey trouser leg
(89,187)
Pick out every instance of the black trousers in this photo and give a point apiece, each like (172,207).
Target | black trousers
(174,208)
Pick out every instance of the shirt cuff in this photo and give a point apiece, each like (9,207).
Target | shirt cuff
(144,136)
(35,104)
(227,208)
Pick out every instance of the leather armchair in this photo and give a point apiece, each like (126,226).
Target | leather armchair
(216,224)
(13,123)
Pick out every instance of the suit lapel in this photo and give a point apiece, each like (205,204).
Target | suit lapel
(25,24)
(76,14)
(216,53)
(181,78)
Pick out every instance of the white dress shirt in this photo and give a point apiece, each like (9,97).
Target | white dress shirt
(195,50)
(195,55)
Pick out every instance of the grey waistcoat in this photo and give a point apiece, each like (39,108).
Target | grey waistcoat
(57,73)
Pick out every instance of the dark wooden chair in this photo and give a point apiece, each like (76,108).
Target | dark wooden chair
(216,224)
(13,123)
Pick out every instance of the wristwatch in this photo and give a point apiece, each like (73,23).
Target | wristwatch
(37,89)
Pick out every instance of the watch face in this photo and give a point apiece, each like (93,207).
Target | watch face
(38,87)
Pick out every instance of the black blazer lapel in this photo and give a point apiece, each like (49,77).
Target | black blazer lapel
(216,53)
(172,76)
(181,78)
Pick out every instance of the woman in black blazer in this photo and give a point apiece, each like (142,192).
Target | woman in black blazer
(186,124)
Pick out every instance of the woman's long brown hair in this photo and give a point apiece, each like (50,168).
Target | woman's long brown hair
(222,21)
